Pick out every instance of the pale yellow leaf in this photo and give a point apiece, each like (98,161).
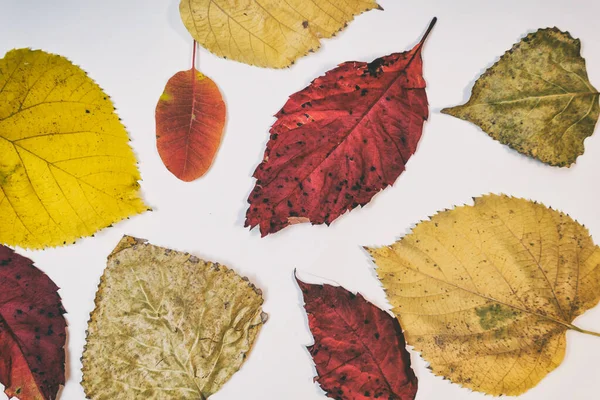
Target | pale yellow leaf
(66,168)
(267,33)
(487,292)
(167,325)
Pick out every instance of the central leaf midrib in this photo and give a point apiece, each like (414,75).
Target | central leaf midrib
(367,350)
(528,98)
(555,320)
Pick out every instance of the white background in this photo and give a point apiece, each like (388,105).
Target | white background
(132,47)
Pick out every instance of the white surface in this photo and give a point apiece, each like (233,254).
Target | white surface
(132,47)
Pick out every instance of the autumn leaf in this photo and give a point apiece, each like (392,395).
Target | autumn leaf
(66,168)
(32,330)
(487,292)
(359,350)
(537,99)
(190,117)
(267,33)
(340,141)
(167,325)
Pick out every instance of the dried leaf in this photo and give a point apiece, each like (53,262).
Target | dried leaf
(340,141)
(487,292)
(269,33)
(190,117)
(66,168)
(167,325)
(537,99)
(32,330)
(359,350)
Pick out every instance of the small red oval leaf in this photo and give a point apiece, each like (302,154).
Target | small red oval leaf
(190,117)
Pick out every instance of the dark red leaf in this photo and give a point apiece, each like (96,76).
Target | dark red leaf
(339,141)
(32,330)
(359,350)
(190,117)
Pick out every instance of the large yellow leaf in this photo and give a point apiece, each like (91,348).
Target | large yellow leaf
(267,33)
(66,168)
(487,292)
(167,325)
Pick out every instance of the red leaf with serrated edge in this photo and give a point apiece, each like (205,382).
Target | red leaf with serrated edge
(190,117)
(359,349)
(339,141)
(32,330)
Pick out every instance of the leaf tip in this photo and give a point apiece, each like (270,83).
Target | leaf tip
(369,250)
(448,110)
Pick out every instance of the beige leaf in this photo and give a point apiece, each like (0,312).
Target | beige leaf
(487,292)
(267,33)
(167,325)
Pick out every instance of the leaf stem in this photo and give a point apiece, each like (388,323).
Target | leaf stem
(428,31)
(578,329)
(194,56)
(417,49)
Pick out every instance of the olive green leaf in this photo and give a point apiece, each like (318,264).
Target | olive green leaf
(167,325)
(537,98)
(487,292)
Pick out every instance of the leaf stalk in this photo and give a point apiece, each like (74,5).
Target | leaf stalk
(578,329)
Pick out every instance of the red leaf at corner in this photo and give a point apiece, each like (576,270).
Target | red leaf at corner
(359,349)
(340,141)
(32,330)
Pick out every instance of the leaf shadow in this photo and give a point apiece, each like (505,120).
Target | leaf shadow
(67,364)
(317,387)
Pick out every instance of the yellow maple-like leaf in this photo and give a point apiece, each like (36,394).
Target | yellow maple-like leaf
(487,292)
(267,33)
(66,168)
(167,325)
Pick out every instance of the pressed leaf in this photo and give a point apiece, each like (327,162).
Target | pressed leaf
(359,349)
(32,330)
(167,325)
(339,141)
(66,168)
(267,33)
(190,116)
(537,99)
(487,292)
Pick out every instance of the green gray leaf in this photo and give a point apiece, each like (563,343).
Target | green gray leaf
(537,98)
(167,325)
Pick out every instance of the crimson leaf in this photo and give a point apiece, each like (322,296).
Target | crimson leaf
(32,330)
(359,349)
(340,141)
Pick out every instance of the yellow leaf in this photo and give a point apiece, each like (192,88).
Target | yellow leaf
(267,33)
(66,168)
(487,292)
(167,325)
